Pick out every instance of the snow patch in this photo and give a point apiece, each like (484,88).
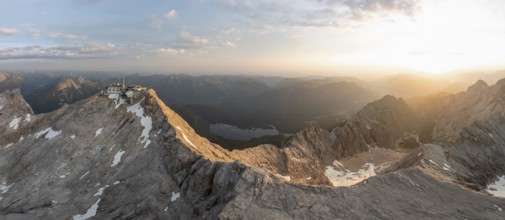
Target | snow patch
(145,121)
(114,97)
(98,132)
(100,191)
(117,99)
(286,178)
(28,117)
(165,210)
(49,133)
(497,188)
(343,177)
(84,175)
(490,135)
(338,164)
(446,167)
(8,145)
(4,187)
(15,123)
(115,183)
(72,137)
(147,143)
(186,138)
(64,175)
(433,162)
(117,158)
(89,213)
(498,207)
(175,196)
(112,148)
(1,107)
(309,178)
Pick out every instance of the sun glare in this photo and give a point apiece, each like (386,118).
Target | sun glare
(443,37)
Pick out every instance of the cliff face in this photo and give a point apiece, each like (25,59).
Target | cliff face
(301,160)
(379,124)
(305,157)
(479,103)
(101,159)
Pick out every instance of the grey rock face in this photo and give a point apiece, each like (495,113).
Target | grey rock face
(379,124)
(479,103)
(97,159)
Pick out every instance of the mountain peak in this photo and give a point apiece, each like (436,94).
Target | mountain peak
(390,99)
(501,82)
(12,99)
(379,124)
(480,85)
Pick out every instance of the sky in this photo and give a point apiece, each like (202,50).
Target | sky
(281,37)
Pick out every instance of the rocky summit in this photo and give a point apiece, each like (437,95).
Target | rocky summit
(104,159)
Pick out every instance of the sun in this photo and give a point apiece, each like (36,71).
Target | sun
(443,37)
(448,36)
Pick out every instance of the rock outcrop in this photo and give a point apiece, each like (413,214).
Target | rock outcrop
(479,103)
(379,124)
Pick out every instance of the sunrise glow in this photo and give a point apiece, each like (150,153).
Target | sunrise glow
(261,37)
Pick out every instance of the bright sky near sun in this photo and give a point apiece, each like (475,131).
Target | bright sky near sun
(302,37)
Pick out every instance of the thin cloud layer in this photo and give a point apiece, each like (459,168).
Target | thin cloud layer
(172,14)
(283,35)
(89,51)
(8,31)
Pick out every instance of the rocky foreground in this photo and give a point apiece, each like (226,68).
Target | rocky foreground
(104,160)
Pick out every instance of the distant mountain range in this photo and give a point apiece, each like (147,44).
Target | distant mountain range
(246,102)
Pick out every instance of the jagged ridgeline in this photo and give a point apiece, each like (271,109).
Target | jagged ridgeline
(108,157)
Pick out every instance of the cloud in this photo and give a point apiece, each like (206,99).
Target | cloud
(193,39)
(170,15)
(316,13)
(358,10)
(238,5)
(228,44)
(88,51)
(63,36)
(403,6)
(35,33)
(171,51)
(230,31)
(186,44)
(154,22)
(8,31)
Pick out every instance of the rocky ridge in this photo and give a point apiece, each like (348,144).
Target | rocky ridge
(98,159)
(480,102)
